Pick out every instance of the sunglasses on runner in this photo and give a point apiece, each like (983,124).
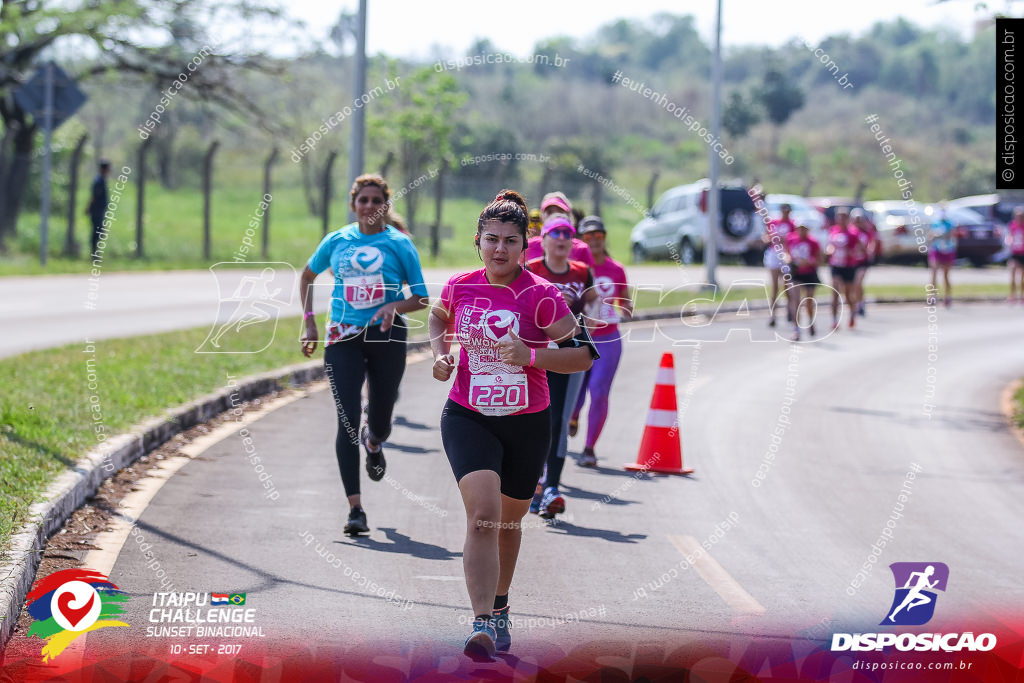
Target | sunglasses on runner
(560,234)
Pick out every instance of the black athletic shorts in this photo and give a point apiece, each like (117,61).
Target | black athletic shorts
(845,273)
(514,446)
(810,278)
(1018,259)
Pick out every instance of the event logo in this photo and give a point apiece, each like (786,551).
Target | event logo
(914,605)
(68,603)
(497,324)
(604,285)
(916,583)
(366,259)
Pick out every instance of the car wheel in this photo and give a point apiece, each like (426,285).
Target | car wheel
(639,254)
(978,262)
(687,254)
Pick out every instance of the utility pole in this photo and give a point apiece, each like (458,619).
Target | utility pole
(356,160)
(714,205)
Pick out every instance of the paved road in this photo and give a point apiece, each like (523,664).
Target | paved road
(40,312)
(857,426)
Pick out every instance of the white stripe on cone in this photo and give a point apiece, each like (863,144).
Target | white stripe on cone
(666,376)
(661,418)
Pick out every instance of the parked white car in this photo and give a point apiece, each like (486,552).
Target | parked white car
(677,226)
(802,213)
(895,220)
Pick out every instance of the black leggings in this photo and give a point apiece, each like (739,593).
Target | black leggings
(379,358)
(558,388)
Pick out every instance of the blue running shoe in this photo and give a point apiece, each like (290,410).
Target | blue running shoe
(535,503)
(503,641)
(480,643)
(552,504)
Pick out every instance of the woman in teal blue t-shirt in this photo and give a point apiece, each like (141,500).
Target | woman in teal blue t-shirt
(366,335)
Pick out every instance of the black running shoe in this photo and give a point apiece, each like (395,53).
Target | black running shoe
(356,522)
(375,463)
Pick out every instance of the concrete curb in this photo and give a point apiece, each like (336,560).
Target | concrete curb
(75,486)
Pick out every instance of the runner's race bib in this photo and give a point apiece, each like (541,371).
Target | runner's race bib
(801,253)
(839,254)
(364,291)
(1018,240)
(497,395)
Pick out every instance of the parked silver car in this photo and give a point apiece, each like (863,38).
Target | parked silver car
(677,226)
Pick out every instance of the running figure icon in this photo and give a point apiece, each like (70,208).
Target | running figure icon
(916,597)
(253,298)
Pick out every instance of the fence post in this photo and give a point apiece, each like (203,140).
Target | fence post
(598,193)
(70,243)
(435,229)
(650,189)
(266,191)
(207,189)
(327,190)
(545,182)
(140,203)
(387,164)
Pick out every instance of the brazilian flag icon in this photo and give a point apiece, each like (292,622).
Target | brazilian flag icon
(237,598)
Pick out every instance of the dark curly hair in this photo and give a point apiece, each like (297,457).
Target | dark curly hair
(508,207)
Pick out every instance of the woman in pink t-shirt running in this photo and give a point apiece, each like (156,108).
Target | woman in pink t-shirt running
(495,425)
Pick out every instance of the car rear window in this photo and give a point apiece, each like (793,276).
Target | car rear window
(736,199)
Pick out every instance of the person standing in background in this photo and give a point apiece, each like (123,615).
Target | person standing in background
(98,201)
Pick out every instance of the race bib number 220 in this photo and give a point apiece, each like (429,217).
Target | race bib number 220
(498,394)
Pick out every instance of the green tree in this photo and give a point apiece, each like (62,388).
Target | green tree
(780,97)
(740,115)
(132,37)
(418,120)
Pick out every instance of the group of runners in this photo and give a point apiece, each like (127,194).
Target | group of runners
(793,257)
(537,328)
(537,331)
(942,254)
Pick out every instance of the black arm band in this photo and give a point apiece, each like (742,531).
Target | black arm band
(581,339)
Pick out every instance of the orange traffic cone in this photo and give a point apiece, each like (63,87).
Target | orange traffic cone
(660,448)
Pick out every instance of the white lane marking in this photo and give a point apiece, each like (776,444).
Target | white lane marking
(134,504)
(715,576)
